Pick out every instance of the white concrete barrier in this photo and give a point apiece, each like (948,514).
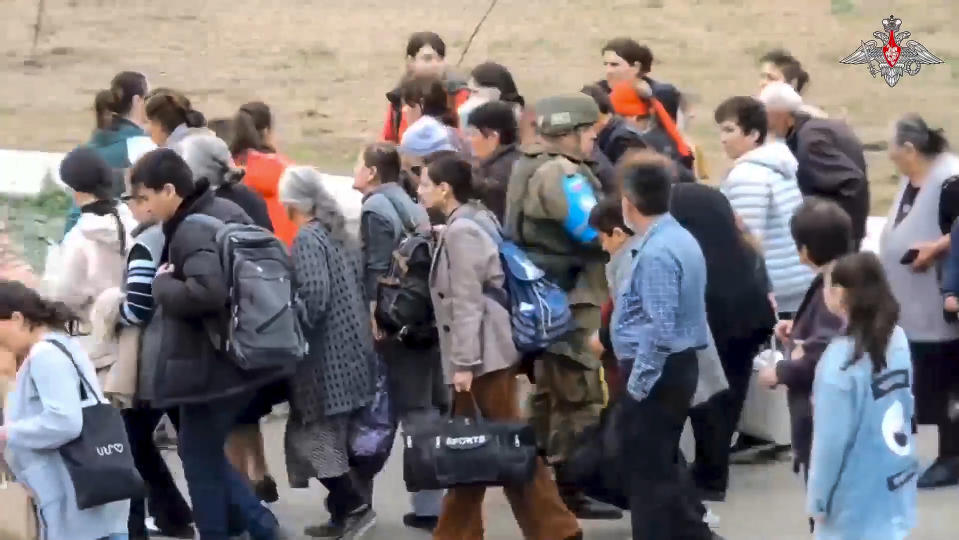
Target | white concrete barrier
(27,174)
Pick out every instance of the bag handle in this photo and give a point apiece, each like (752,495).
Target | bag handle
(84,383)
(477,415)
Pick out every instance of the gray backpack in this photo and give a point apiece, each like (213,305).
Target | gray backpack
(262,328)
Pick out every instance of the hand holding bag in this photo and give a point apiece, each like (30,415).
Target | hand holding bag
(766,410)
(468,451)
(99,461)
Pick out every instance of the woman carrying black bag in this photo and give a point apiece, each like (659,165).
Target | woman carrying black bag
(479,358)
(47,410)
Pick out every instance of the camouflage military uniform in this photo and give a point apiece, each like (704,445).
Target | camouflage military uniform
(569,390)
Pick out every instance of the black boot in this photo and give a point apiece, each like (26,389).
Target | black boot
(588,508)
(943,472)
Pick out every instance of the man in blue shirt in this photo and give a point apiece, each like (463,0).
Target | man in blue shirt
(659,323)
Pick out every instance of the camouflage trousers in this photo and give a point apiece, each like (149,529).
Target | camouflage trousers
(567,399)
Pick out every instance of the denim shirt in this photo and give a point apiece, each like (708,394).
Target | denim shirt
(662,310)
(862,476)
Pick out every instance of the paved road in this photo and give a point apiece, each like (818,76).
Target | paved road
(765,503)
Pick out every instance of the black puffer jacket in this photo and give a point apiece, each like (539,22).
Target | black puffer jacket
(187,367)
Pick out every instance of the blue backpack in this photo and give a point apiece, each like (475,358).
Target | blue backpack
(539,310)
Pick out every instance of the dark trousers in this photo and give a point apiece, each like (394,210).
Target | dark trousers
(936,386)
(660,494)
(167,505)
(715,421)
(344,498)
(223,502)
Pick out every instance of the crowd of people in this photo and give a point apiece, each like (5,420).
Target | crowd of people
(602,190)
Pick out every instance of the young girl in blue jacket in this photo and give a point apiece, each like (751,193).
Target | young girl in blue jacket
(862,479)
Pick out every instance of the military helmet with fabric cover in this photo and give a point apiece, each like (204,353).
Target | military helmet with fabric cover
(559,115)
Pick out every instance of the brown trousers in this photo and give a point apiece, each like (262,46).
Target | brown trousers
(539,511)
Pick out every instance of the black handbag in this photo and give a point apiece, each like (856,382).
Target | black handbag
(594,464)
(468,451)
(99,461)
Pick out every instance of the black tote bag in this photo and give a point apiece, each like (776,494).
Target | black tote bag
(99,461)
(468,451)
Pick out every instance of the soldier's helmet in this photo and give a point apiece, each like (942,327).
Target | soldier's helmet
(559,115)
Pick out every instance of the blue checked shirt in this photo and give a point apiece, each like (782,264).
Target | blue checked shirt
(663,308)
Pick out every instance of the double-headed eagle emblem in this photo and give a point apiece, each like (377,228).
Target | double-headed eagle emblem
(893,54)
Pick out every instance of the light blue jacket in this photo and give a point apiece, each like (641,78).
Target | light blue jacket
(863,470)
(44,413)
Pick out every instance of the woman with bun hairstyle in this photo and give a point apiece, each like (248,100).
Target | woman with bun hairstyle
(45,412)
(171,118)
(119,137)
(253,146)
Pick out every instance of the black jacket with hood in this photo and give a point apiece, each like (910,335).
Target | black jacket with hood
(187,367)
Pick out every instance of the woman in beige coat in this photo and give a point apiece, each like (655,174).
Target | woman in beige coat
(479,358)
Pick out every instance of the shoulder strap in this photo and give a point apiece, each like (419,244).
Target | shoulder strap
(489,226)
(84,383)
(405,218)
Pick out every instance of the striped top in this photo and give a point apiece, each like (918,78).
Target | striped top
(141,270)
(763,191)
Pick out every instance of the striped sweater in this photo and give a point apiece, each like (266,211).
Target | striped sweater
(763,191)
(141,270)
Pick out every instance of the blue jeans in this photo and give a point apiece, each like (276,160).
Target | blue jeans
(223,502)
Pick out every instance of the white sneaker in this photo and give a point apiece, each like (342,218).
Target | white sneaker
(711,518)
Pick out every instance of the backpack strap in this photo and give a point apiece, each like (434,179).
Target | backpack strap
(490,226)
(406,220)
(84,383)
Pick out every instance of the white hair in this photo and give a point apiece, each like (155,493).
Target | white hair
(779,96)
(301,188)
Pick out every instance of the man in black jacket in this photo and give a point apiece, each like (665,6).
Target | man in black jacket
(185,369)
(831,160)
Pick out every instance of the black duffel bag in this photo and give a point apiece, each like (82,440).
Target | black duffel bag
(99,461)
(468,451)
(594,464)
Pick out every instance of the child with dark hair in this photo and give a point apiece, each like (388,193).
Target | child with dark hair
(618,241)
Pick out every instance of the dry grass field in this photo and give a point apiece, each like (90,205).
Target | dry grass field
(325,65)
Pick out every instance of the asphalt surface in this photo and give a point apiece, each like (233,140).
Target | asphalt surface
(764,502)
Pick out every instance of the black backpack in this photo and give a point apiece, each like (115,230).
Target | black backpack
(404,308)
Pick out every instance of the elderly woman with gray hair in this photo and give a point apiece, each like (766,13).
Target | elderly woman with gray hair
(913,248)
(336,379)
